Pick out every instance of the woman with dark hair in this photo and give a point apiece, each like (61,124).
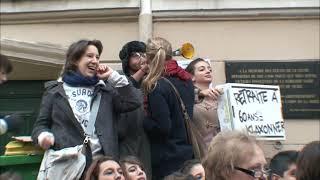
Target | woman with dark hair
(205,114)
(104,168)
(66,118)
(308,163)
(133,168)
(164,123)
(194,167)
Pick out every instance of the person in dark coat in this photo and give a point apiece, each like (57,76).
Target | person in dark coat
(165,124)
(64,114)
(132,138)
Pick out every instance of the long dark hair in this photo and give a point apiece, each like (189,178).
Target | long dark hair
(76,50)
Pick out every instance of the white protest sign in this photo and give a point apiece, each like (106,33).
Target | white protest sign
(253,108)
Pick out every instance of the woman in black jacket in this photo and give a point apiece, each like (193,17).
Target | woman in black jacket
(164,123)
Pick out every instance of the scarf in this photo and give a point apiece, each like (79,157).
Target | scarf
(172,69)
(76,79)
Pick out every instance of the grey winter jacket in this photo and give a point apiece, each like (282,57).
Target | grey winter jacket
(56,116)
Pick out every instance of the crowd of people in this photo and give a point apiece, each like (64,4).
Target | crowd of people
(131,126)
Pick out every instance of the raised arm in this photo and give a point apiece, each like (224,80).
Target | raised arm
(125,97)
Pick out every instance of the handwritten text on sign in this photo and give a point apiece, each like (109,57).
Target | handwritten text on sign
(253,108)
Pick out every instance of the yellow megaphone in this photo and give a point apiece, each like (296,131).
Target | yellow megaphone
(186,50)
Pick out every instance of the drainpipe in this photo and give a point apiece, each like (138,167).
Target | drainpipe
(145,20)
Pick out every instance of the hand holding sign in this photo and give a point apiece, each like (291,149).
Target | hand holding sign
(213,93)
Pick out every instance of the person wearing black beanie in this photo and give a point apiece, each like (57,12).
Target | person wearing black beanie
(132,138)
(133,59)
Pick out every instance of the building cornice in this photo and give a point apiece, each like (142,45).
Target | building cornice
(237,14)
(33,53)
(131,14)
(72,16)
(41,54)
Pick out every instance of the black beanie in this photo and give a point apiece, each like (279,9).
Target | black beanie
(127,50)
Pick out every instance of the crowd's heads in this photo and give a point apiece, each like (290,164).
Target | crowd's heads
(5,68)
(194,167)
(133,168)
(283,165)
(308,163)
(158,51)
(76,51)
(234,155)
(129,50)
(104,168)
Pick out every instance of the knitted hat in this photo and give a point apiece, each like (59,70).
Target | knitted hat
(127,50)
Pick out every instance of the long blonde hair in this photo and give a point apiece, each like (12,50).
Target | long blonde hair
(158,51)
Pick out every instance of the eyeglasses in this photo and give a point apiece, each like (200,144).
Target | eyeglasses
(258,173)
(138,55)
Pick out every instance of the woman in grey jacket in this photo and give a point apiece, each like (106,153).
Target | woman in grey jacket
(66,105)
